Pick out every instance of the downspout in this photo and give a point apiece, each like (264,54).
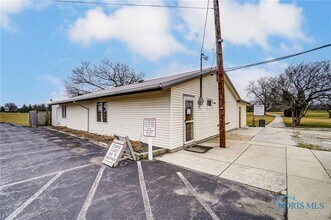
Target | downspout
(88,115)
(200,101)
(50,118)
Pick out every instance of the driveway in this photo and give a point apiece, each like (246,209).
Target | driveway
(49,175)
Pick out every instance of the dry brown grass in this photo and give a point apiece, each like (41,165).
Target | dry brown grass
(16,118)
(137,146)
(84,134)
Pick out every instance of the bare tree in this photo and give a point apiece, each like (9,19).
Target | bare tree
(301,84)
(262,91)
(87,78)
(11,107)
(325,103)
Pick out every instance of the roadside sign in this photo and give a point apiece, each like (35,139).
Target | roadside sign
(149,127)
(258,110)
(114,153)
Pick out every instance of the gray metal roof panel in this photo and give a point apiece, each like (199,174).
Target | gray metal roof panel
(147,85)
(160,83)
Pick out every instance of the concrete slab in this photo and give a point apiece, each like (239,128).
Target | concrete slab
(219,154)
(263,179)
(275,135)
(308,170)
(324,158)
(266,144)
(236,145)
(204,165)
(261,161)
(231,144)
(243,134)
(270,151)
(298,153)
(277,122)
(311,191)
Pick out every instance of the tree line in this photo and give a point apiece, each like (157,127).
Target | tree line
(299,88)
(12,107)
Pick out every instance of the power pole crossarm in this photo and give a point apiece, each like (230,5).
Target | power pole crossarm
(220,75)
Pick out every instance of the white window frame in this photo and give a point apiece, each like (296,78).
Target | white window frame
(63,110)
(102,113)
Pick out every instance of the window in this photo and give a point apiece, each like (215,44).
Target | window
(209,102)
(101,111)
(64,111)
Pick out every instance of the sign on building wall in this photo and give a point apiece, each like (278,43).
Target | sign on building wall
(258,110)
(149,127)
(114,153)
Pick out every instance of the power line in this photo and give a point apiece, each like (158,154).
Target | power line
(204,28)
(127,4)
(275,59)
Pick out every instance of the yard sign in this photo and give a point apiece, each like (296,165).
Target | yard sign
(258,109)
(114,153)
(149,127)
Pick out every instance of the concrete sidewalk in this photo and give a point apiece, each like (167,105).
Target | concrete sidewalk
(269,159)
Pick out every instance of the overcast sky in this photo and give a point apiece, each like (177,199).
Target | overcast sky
(41,41)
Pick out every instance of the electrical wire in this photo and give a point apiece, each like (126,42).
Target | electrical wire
(275,59)
(204,29)
(127,4)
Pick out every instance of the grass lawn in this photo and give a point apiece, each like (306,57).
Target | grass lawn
(249,119)
(313,119)
(16,118)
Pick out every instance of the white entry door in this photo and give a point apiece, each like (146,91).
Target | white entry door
(188,119)
(57,116)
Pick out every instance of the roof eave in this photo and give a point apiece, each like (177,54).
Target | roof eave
(79,99)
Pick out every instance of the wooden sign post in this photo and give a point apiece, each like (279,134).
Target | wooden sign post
(150,132)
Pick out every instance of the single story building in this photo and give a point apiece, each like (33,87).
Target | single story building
(172,100)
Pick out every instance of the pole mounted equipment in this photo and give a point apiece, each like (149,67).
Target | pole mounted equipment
(220,75)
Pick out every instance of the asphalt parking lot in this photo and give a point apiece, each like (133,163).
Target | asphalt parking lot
(49,175)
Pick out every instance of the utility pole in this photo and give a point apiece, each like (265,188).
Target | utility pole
(220,75)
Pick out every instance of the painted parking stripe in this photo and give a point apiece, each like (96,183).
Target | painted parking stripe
(196,195)
(90,196)
(31,199)
(147,205)
(42,176)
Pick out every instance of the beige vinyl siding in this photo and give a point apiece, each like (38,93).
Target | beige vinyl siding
(243,114)
(205,118)
(76,117)
(125,116)
(231,116)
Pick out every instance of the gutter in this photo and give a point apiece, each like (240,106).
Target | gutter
(244,102)
(151,89)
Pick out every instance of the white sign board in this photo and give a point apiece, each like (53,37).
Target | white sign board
(114,153)
(258,109)
(149,127)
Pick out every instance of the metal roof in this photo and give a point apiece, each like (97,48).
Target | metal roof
(156,84)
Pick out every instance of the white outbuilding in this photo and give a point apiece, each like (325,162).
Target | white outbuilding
(173,101)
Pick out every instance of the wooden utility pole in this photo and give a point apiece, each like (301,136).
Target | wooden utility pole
(220,75)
